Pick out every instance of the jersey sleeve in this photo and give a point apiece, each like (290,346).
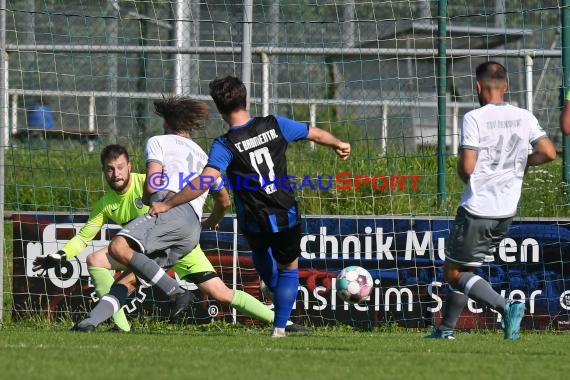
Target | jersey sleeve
(292,130)
(220,155)
(469,133)
(536,131)
(87,232)
(153,151)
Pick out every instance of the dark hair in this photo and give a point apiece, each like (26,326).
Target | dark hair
(182,114)
(229,94)
(112,152)
(491,71)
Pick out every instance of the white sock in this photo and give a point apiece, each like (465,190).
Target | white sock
(278,332)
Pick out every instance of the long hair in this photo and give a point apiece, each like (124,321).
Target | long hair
(182,114)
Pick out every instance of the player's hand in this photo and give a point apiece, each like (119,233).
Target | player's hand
(43,263)
(343,150)
(207,223)
(158,207)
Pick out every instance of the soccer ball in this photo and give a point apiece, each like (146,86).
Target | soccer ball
(353,284)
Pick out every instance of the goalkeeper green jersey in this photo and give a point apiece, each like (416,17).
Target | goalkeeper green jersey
(119,208)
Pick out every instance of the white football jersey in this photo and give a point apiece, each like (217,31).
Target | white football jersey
(501,133)
(182,160)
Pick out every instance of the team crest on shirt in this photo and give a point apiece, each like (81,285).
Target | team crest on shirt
(139,203)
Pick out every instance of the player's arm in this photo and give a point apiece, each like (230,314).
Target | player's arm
(152,183)
(543,152)
(322,137)
(221,204)
(469,147)
(466,163)
(76,244)
(293,131)
(191,191)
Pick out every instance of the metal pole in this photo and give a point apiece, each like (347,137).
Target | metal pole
(91,125)
(264,84)
(183,41)
(187,30)
(441,100)
(313,121)
(565,34)
(235,262)
(274,30)
(3,127)
(246,49)
(528,62)
(14,117)
(352,52)
(384,137)
(455,130)
(6,97)
(113,36)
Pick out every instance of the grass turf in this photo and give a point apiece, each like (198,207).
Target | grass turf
(229,352)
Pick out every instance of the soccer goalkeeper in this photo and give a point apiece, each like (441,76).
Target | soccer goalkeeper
(123,203)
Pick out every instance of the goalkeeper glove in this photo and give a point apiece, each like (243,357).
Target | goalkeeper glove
(43,263)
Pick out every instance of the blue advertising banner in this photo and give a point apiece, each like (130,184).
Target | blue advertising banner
(404,256)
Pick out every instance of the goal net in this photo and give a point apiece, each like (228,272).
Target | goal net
(80,75)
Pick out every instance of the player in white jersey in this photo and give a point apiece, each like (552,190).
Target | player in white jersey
(147,244)
(176,160)
(499,134)
(492,162)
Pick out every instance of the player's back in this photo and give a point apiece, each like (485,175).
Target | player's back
(503,134)
(182,160)
(259,160)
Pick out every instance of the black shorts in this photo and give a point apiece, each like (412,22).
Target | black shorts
(285,245)
(198,278)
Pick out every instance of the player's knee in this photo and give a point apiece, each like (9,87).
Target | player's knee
(216,289)
(451,276)
(118,248)
(91,260)
(113,248)
(452,281)
(98,259)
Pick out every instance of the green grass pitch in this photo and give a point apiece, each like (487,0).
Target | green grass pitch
(36,351)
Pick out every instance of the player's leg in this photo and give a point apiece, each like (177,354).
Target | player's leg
(99,264)
(263,260)
(109,304)
(155,235)
(285,247)
(195,267)
(174,234)
(512,311)
(471,244)
(459,250)
(455,302)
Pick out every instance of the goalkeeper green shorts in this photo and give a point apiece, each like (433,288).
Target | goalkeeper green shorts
(195,267)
